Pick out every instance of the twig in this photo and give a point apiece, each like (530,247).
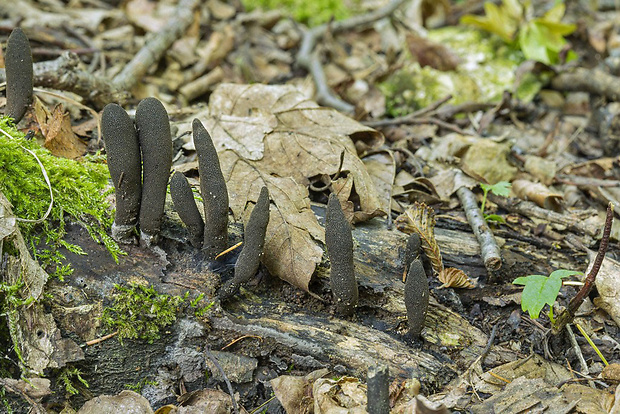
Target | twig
(101,339)
(378,394)
(308,58)
(568,314)
(155,48)
(64,74)
(577,350)
(529,209)
(228,384)
(594,81)
(234,341)
(409,117)
(488,246)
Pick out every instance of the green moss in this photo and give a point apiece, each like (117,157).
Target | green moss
(486,70)
(139,312)
(71,377)
(312,13)
(79,189)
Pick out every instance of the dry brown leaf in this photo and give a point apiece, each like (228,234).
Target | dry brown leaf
(539,194)
(433,54)
(56,127)
(455,278)
(420,218)
(295,392)
(346,395)
(290,136)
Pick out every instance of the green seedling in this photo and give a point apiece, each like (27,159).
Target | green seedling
(502,189)
(541,290)
(539,38)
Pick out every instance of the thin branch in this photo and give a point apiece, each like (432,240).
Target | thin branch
(308,58)
(155,48)
(228,384)
(8,385)
(488,246)
(569,313)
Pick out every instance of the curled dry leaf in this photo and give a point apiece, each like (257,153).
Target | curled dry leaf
(455,278)
(539,194)
(420,218)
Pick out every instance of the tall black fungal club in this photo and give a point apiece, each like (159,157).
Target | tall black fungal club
(417,291)
(339,243)
(139,162)
(19,75)
(155,139)
(253,242)
(125,165)
(214,193)
(184,204)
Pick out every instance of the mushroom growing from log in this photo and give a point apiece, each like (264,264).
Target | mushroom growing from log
(253,242)
(124,163)
(184,204)
(19,75)
(416,298)
(214,193)
(156,144)
(339,243)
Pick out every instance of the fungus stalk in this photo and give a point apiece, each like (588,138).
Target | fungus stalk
(339,243)
(156,144)
(214,193)
(416,298)
(184,204)
(19,75)
(124,163)
(253,242)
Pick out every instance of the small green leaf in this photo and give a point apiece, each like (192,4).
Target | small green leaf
(541,290)
(495,218)
(501,188)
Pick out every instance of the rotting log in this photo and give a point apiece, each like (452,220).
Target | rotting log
(288,321)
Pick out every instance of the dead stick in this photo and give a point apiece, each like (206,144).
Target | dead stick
(488,246)
(155,48)
(588,80)
(308,59)
(228,384)
(568,314)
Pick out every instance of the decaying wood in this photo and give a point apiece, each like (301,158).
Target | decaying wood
(594,81)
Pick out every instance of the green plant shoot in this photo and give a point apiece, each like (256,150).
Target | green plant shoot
(501,189)
(539,38)
(541,290)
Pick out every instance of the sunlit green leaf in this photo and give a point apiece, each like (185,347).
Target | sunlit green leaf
(541,290)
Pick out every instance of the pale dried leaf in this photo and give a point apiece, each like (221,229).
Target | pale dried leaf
(346,395)
(295,392)
(455,278)
(382,168)
(290,136)
(420,218)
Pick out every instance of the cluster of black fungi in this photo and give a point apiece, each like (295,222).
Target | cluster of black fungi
(139,158)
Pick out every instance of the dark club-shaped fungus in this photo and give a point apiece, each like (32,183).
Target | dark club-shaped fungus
(213,191)
(184,204)
(253,241)
(416,298)
(19,75)
(156,144)
(123,152)
(339,243)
